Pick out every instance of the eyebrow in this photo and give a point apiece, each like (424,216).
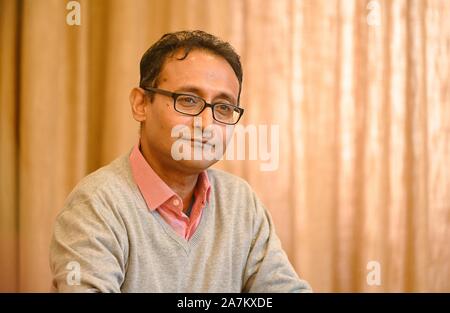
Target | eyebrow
(198,91)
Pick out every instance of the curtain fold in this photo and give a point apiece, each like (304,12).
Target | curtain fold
(359,90)
(9,92)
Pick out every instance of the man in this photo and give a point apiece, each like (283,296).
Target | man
(152,221)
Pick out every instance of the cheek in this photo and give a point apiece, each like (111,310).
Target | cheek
(164,118)
(228,133)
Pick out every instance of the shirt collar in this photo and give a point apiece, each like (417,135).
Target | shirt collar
(154,190)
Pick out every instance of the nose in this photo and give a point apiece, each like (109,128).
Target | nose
(207,117)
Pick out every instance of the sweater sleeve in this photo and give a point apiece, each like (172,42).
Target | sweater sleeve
(268,268)
(86,252)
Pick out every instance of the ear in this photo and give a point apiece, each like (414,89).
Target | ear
(139,104)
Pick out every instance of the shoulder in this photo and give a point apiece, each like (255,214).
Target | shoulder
(108,184)
(220,178)
(233,194)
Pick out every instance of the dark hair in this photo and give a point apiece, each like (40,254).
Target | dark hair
(153,59)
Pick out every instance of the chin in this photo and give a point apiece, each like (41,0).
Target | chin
(196,166)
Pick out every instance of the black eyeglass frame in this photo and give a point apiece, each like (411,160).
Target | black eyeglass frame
(175,95)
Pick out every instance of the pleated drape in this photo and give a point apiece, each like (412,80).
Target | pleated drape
(360,91)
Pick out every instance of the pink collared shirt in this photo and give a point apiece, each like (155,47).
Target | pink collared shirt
(158,196)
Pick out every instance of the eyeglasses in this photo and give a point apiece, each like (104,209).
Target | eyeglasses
(192,105)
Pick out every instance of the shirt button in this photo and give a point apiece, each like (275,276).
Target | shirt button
(176,202)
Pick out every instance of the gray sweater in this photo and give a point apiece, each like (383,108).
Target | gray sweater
(105,239)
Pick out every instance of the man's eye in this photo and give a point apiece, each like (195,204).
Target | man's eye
(188,100)
(224,109)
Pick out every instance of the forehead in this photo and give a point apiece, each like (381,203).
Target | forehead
(199,66)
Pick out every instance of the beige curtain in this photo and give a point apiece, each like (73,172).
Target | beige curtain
(359,89)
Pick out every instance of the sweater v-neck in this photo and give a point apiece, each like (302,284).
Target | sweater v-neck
(187,245)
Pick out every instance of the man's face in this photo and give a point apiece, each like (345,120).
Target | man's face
(201,74)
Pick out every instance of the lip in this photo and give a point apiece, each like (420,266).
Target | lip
(195,141)
(200,141)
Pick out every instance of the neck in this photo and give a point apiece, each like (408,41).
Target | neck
(181,183)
